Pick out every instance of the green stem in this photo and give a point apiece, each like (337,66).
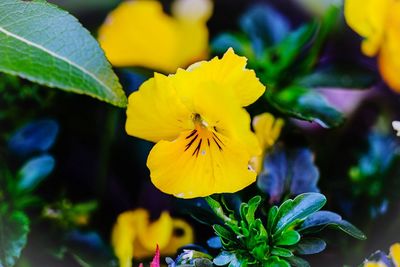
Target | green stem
(216,207)
(108,135)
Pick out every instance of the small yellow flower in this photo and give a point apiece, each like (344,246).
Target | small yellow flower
(378,21)
(203,135)
(139,33)
(134,236)
(267,130)
(375,264)
(394,256)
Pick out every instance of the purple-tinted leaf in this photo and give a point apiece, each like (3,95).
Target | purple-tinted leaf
(288,171)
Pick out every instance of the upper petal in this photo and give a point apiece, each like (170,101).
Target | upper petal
(228,73)
(155,112)
(368,18)
(389,58)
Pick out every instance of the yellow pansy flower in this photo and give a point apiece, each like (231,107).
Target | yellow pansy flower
(378,21)
(196,117)
(134,236)
(394,256)
(267,130)
(139,33)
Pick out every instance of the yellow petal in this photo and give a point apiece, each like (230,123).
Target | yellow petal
(228,73)
(267,130)
(157,232)
(182,235)
(123,236)
(368,19)
(201,170)
(155,113)
(139,33)
(395,254)
(375,264)
(389,58)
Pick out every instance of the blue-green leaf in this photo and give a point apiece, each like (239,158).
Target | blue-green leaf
(297,209)
(34,171)
(36,136)
(309,246)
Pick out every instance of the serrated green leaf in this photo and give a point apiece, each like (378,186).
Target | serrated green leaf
(305,104)
(14,230)
(271,218)
(223,233)
(309,246)
(297,209)
(288,238)
(46,45)
(248,210)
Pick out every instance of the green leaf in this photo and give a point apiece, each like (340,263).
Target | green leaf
(248,210)
(46,45)
(281,252)
(271,218)
(322,219)
(14,230)
(288,238)
(276,262)
(224,234)
(305,104)
(297,209)
(338,76)
(298,262)
(309,246)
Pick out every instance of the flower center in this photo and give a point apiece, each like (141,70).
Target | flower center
(203,137)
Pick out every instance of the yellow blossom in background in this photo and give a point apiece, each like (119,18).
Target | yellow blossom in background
(203,135)
(378,21)
(139,33)
(134,236)
(267,129)
(394,256)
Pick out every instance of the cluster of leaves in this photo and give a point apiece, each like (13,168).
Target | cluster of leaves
(17,189)
(287,63)
(278,239)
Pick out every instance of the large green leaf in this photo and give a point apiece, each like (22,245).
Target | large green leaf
(46,45)
(305,104)
(14,229)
